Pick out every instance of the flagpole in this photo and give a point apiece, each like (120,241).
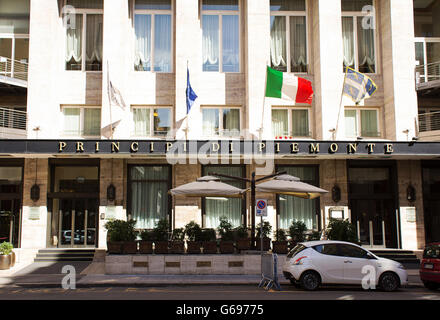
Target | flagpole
(187,113)
(340,106)
(264,105)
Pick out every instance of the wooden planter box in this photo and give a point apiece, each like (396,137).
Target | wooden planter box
(280,247)
(114,247)
(177,247)
(226,247)
(5,262)
(145,247)
(243,244)
(129,247)
(266,244)
(210,247)
(193,247)
(161,247)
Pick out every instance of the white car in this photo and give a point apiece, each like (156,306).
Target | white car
(313,263)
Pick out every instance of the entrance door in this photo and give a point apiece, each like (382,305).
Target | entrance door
(9,220)
(77,222)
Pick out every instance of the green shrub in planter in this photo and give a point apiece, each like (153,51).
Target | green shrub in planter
(177,245)
(266,231)
(121,236)
(297,232)
(146,243)
(280,245)
(193,233)
(342,230)
(226,236)
(5,255)
(242,240)
(161,232)
(209,243)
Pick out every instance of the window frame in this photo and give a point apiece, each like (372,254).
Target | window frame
(221,124)
(220,14)
(355,15)
(14,37)
(287,15)
(81,121)
(152,132)
(359,121)
(290,120)
(84,13)
(153,13)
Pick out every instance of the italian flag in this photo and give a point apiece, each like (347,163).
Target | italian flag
(288,87)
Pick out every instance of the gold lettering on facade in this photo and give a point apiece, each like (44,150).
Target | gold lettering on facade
(115,146)
(294,147)
(79,147)
(277,147)
(371,147)
(389,148)
(61,146)
(184,147)
(134,147)
(215,147)
(261,146)
(314,148)
(334,148)
(352,148)
(96,146)
(169,146)
(151,146)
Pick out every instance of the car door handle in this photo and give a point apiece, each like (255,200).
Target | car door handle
(347,261)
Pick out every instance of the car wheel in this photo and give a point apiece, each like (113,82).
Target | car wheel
(310,281)
(431,285)
(389,282)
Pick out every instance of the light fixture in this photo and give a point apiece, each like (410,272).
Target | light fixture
(111,192)
(411,193)
(35,190)
(336,193)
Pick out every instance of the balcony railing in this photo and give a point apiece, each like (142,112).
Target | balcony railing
(13,123)
(14,70)
(428,72)
(429,121)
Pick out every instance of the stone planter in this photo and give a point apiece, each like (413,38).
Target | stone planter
(145,247)
(243,244)
(279,247)
(266,244)
(129,247)
(160,247)
(193,247)
(176,247)
(210,247)
(226,247)
(114,247)
(5,262)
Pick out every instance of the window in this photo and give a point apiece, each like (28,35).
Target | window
(148,194)
(290,122)
(359,42)
(352,252)
(288,35)
(362,123)
(216,207)
(221,35)
(291,208)
(84,36)
(82,121)
(150,121)
(14,17)
(328,249)
(223,122)
(153,32)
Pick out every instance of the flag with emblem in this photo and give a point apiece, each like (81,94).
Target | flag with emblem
(358,86)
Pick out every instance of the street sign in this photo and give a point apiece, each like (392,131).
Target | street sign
(261,208)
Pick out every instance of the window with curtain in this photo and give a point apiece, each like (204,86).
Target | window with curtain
(214,207)
(149,200)
(221,122)
(362,122)
(82,121)
(358,42)
(288,36)
(84,38)
(291,122)
(153,35)
(221,32)
(296,209)
(150,121)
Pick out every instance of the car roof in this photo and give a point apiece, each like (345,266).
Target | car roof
(321,242)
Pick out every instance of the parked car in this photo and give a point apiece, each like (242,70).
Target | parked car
(311,264)
(430,266)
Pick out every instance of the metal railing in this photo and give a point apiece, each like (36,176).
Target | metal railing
(13,68)
(13,119)
(429,121)
(428,72)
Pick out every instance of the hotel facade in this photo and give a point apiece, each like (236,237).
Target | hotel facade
(63,176)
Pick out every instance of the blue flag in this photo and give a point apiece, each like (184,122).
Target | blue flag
(190,94)
(358,86)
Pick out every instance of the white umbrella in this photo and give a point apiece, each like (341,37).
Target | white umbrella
(290,185)
(208,186)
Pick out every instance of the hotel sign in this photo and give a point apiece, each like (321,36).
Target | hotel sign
(212,148)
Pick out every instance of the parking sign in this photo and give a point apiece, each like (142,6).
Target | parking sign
(261,208)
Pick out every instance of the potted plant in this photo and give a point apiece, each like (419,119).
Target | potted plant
(177,244)
(5,255)
(226,236)
(297,232)
(280,245)
(243,242)
(342,230)
(209,243)
(160,232)
(146,243)
(121,237)
(266,230)
(193,233)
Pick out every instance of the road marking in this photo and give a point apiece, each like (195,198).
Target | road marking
(347,297)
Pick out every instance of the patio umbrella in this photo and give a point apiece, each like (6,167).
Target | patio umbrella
(208,186)
(290,185)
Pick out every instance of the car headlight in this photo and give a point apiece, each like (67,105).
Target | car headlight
(299,261)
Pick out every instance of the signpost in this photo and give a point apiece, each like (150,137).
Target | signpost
(261,211)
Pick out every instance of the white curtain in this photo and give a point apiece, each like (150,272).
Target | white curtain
(94,39)
(210,26)
(350,123)
(72,121)
(210,120)
(162,43)
(348,40)
(231,122)
(141,118)
(369,126)
(298,44)
(142,26)
(92,121)
(278,53)
(366,49)
(280,123)
(230,41)
(300,123)
(74,42)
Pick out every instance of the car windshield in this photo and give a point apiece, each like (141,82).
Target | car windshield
(297,249)
(432,252)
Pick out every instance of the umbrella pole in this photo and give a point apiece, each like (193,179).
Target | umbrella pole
(253,209)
